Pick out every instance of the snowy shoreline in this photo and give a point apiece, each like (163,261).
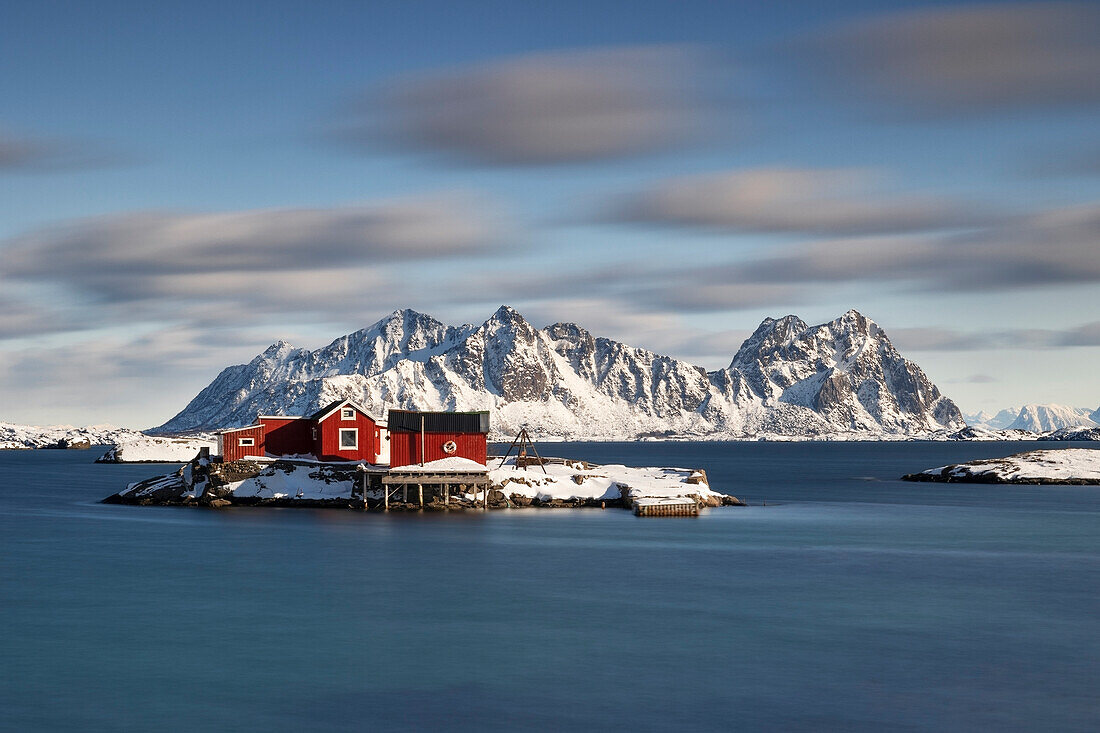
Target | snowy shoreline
(1067,466)
(276,482)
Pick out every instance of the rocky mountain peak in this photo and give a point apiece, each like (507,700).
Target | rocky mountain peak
(278,349)
(787,379)
(570,333)
(770,336)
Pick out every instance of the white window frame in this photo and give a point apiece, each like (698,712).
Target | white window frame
(340,439)
(246,442)
(347,413)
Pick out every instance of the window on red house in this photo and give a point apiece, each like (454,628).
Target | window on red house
(349,438)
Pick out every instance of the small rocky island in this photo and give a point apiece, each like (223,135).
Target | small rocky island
(1074,466)
(556,483)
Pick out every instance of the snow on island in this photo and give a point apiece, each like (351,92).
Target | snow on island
(580,482)
(1060,466)
(141,448)
(308,483)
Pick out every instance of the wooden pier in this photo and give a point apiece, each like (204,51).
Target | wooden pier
(440,484)
(673,507)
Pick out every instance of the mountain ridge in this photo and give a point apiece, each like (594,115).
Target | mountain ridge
(561,381)
(1049,417)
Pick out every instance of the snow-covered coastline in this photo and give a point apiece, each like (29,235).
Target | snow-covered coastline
(1056,466)
(305,483)
(140,448)
(28,437)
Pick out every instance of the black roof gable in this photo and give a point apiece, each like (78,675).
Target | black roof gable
(332,406)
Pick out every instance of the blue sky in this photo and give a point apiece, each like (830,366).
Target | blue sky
(182,184)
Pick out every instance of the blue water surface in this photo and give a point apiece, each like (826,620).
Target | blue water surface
(841,599)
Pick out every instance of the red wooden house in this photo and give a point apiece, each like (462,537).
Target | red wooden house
(339,431)
(420,437)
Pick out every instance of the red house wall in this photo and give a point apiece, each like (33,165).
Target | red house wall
(328,439)
(405,447)
(232,449)
(286,436)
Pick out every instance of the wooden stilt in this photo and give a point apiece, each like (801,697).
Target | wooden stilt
(446,494)
(385,497)
(420,490)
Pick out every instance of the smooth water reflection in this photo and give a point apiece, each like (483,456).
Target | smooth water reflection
(850,601)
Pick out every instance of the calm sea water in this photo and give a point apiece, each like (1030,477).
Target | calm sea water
(850,601)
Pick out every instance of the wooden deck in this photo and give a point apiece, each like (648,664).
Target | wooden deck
(679,507)
(440,483)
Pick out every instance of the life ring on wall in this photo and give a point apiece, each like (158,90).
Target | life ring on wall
(450,447)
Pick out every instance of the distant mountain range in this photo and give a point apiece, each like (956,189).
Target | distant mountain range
(1037,418)
(842,378)
(14,436)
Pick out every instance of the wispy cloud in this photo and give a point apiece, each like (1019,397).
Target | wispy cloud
(964,59)
(1048,248)
(553,107)
(22,318)
(947,339)
(279,260)
(29,154)
(811,201)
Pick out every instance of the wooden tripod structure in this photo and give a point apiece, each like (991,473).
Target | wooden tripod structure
(522,443)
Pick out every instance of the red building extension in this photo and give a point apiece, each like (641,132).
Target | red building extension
(340,431)
(420,437)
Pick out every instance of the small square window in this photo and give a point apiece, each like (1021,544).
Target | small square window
(246,441)
(347,414)
(349,438)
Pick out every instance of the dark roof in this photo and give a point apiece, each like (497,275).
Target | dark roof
(439,422)
(326,410)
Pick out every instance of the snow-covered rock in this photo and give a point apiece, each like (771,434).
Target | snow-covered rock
(980,433)
(1045,418)
(247,482)
(1062,466)
(842,378)
(1074,433)
(279,482)
(579,481)
(13,436)
(139,448)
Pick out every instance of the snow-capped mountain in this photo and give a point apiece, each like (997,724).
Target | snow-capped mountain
(1045,418)
(788,378)
(999,421)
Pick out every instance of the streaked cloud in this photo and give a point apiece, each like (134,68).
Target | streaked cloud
(1048,248)
(1081,161)
(801,200)
(150,374)
(553,107)
(948,339)
(21,318)
(275,259)
(29,154)
(964,59)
